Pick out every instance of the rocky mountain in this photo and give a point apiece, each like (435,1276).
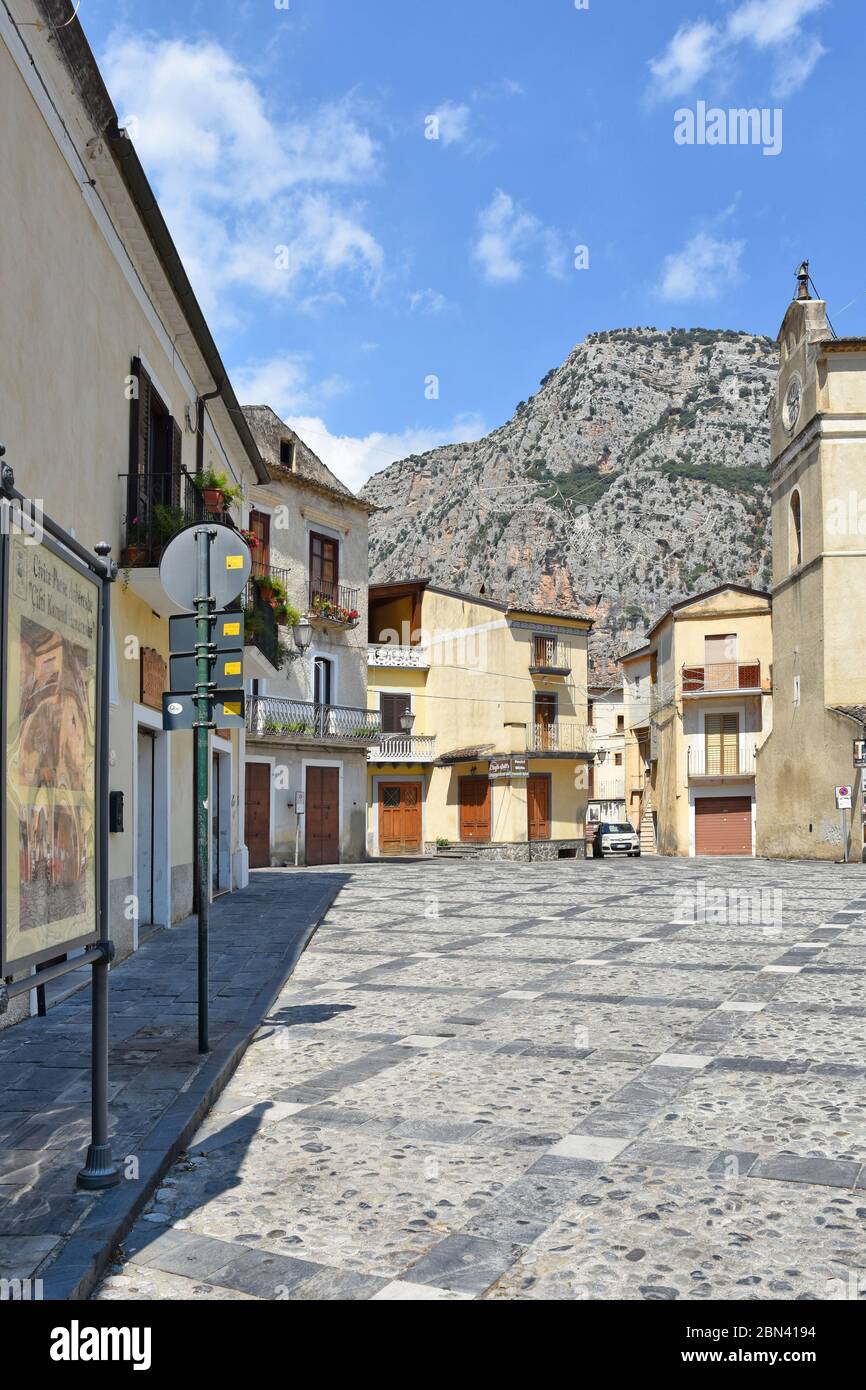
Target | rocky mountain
(633,476)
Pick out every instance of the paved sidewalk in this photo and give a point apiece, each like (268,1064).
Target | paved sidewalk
(542,1081)
(159,1084)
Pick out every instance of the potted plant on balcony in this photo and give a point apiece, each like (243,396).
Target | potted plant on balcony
(286,614)
(254,625)
(167,521)
(251,539)
(136,548)
(216,490)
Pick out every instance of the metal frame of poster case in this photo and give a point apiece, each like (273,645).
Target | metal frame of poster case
(99,1170)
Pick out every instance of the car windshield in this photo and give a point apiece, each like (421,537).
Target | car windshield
(614,828)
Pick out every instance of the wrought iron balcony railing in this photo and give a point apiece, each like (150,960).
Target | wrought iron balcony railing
(273,717)
(549,657)
(727,761)
(157,506)
(722,677)
(262,621)
(560,736)
(334,603)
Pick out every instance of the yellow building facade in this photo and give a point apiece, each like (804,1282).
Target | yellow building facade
(484,744)
(698,707)
(818,445)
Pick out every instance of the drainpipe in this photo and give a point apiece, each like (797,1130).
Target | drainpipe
(199,426)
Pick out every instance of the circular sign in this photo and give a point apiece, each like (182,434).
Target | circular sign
(175,708)
(230,563)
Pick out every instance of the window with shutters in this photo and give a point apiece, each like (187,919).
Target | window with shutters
(392,707)
(155,447)
(324,567)
(722,735)
(323,681)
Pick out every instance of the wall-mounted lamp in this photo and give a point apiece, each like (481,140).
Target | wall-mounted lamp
(407,720)
(302,636)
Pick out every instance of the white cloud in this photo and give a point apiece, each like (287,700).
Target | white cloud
(283,382)
(704,267)
(687,58)
(355,459)
(235,182)
(507,233)
(430,301)
(453,122)
(772,26)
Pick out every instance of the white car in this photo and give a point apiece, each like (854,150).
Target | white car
(617,837)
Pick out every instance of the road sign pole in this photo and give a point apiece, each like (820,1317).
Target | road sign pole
(203,608)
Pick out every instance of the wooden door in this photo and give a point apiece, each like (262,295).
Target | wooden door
(322,835)
(399,817)
(474,796)
(545,721)
(723,825)
(257,814)
(538,807)
(260,526)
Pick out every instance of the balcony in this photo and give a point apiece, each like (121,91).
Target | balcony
(561,736)
(395,657)
(273,718)
(549,658)
(332,604)
(720,762)
(264,612)
(156,507)
(403,748)
(723,678)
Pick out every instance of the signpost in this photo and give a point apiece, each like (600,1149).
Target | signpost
(202,569)
(843,804)
(54,796)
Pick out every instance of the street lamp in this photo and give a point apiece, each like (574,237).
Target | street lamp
(302,633)
(407,719)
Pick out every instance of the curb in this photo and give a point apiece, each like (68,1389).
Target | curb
(77,1269)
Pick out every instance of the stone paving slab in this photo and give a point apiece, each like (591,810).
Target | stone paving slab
(160,1087)
(567,1084)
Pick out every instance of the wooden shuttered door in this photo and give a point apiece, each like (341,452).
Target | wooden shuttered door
(538,807)
(399,817)
(474,795)
(322,816)
(257,817)
(722,733)
(723,825)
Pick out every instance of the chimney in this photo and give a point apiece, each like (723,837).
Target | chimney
(803,282)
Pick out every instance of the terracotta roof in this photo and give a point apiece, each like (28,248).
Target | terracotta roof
(857,712)
(466,755)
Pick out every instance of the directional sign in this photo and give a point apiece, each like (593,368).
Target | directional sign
(860,752)
(230,563)
(226,670)
(180,711)
(227,631)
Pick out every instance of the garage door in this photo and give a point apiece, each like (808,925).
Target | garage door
(723,825)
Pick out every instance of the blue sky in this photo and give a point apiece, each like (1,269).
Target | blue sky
(343,258)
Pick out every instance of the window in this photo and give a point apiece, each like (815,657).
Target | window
(324,566)
(287,453)
(260,526)
(617,759)
(620,723)
(795,532)
(155,443)
(722,733)
(590,711)
(392,706)
(323,681)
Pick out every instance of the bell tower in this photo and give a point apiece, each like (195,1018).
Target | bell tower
(817,472)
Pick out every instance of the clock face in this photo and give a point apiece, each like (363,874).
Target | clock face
(791,408)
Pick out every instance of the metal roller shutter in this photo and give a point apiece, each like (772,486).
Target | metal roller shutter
(723,825)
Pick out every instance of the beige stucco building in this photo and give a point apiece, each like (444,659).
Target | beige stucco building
(308,727)
(496,760)
(112,395)
(818,445)
(698,706)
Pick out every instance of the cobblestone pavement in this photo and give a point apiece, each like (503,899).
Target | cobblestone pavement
(636,1079)
(154,1063)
